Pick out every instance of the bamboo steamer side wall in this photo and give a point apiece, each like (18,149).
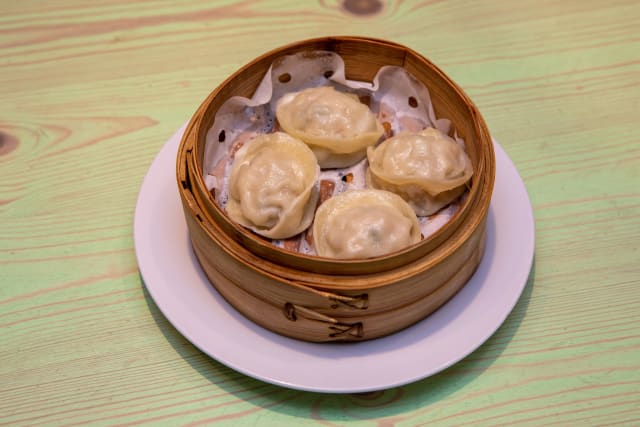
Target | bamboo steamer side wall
(337,322)
(303,312)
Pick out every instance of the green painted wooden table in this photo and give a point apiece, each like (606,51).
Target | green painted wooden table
(90,92)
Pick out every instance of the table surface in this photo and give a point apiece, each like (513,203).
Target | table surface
(92,90)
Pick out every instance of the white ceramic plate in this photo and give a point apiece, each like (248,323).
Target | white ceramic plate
(182,292)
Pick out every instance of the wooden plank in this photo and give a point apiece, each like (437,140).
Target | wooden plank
(91,91)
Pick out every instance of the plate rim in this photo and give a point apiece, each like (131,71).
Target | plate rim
(174,313)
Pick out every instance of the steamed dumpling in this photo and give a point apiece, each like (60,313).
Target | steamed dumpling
(428,169)
(272,186)
(363,224)
(335,125)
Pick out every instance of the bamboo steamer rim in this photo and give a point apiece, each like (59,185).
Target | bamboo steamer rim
(282,262)
(309,280)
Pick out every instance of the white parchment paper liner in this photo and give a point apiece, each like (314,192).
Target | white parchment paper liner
(394,96)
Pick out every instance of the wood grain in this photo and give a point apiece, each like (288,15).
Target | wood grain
(91,91)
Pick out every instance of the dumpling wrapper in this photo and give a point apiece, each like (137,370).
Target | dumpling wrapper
(366,223)
(428,169)
(335,125)
(272,186)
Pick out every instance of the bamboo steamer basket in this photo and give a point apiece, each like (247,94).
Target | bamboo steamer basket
(318,299)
